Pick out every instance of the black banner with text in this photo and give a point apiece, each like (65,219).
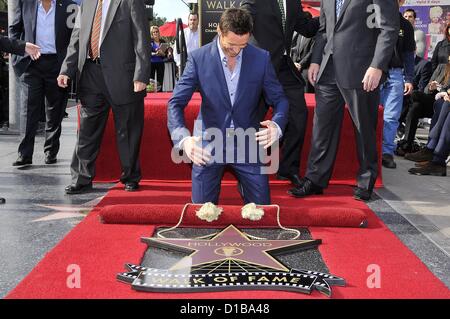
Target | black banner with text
(209,14)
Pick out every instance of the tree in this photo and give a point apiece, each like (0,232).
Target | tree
(3,5)
(158,21)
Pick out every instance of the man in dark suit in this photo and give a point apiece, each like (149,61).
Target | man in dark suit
(110,49)
(48,24)
(15,47)
(20,48)
(352,52)
(231,77)
(274,24)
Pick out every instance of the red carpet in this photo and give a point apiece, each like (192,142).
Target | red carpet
(156,145)
(304,213)
(101,250)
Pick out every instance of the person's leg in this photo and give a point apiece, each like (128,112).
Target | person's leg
(327,124)
(255,186)
(392,100)
(160,74)
(54,110)
(32,95)
(94,113)
(421,103)
(129,124)
(363,108)
(438,165)
(294,134)
(206,183)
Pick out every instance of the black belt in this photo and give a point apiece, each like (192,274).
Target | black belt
(49,55)
(96,61)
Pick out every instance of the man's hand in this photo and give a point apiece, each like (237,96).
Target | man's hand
(196,154)
(33,51)
(139,86)
(447,98)
(372,79)
(408,88)
(268,136)
(63,81)
(313,71)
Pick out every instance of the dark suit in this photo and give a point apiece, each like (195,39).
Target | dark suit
(345,48)
(204,70)
(38,77)
(269,34)
(422,73)
(12,45)
(124,58)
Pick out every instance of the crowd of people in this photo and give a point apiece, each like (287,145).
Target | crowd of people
(112,54)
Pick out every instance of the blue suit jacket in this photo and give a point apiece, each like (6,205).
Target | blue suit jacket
(23,27)
(204,71)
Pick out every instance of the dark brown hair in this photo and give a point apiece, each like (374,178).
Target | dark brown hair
(446,31)
(238,21)
(447,72)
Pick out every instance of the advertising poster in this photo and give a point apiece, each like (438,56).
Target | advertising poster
(432,18)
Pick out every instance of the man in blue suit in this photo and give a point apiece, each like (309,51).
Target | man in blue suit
(230,75)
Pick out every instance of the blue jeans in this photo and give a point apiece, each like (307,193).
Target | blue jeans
(392,100)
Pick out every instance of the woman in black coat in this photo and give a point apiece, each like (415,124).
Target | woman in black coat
(442,50)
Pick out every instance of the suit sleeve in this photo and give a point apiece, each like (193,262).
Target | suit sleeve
(306,61)
(320,39)
(425,76)
(70,65)
(181,96)
(12,46)
(389,26)
(274,95)
(435,57)
(16,27)
(141,36)
(306,26)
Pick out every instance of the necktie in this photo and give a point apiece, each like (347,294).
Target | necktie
(95,33)
(283,14)
(339,4)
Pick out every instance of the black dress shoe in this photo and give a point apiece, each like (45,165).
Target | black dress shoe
(78,189)
(362,194)
(22,161)
(131,186)
(388,161)
(50,160)
(308,188)
(293,178)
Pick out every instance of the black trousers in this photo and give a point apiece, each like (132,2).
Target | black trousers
(294,134)
(158,69)
(328,115)
(95,108)
(39,84)
(421,106)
